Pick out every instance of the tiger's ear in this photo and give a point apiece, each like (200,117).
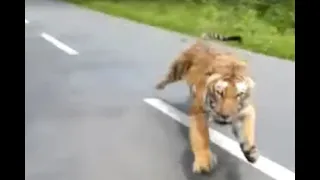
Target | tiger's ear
(250,82)
(213,77)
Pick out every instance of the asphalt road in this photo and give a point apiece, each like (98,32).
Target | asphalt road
(86,118)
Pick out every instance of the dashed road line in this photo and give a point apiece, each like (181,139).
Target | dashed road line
(263,164)
(59,44)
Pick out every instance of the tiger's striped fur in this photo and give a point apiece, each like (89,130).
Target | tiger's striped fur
(182,64)
(223,79)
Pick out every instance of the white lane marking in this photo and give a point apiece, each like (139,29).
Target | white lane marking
(59,44)
(263,164)
(26,21)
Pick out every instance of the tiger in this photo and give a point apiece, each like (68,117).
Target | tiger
(220,87)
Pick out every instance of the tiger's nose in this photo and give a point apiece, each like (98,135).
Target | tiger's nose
(224,116)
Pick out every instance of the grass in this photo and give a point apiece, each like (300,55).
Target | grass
(267,28)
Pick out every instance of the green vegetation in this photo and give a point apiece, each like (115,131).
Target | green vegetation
(267,26)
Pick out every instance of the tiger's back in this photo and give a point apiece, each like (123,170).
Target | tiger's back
(195,63)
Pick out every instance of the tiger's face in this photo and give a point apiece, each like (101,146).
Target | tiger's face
(227,96)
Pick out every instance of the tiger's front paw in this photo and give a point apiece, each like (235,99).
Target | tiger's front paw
(204,162)
(251,153)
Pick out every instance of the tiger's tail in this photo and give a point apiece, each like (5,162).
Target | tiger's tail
(212,35)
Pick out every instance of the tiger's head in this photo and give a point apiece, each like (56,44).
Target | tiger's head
(227,95)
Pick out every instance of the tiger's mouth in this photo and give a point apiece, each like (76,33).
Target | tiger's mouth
(223,121)
(216,118)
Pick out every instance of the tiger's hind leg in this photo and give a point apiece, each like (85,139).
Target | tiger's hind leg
(244,131)
(177,71)
(162,84)
(171,77)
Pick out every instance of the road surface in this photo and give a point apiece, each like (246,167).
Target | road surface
(92,112)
